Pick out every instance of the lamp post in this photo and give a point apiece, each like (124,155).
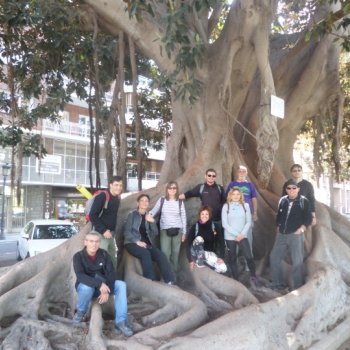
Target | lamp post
(5,171)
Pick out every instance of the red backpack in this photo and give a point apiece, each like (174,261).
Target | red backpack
(90,202)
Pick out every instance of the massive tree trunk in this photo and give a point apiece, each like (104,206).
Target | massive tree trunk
(229,125)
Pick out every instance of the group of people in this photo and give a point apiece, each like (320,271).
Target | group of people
(225,222)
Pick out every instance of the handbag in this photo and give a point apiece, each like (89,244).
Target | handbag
(173,231)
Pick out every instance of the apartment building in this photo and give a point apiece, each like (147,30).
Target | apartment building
(49,186)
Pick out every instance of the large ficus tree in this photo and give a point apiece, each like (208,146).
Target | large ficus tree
(221,64)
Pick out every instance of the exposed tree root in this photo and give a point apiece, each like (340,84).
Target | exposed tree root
(95,337)
(208,284)
(287,322)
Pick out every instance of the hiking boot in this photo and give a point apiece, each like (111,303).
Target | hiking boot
(256,281)
(124,328)
(200,262)
(78,317)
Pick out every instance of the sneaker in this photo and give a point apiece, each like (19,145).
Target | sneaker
(256,281)
(171,283)
(124,328)
(78,317)
(200,262)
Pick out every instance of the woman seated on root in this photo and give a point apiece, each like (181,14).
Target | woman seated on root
(236,220)
(138,228)
(172,223)
(200,243)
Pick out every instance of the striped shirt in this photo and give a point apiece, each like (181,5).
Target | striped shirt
(170,214)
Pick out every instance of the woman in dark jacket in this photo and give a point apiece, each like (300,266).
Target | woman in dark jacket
(200,243)
(138,228)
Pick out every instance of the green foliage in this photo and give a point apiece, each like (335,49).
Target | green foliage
(333,23)
(50,59)
(180,41)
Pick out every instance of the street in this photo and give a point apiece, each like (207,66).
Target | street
(7,253)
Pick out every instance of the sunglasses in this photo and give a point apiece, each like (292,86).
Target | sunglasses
(209,175)
(172,188)
(291,188)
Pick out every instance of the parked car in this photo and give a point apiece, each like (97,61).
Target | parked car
(39,236)
(347,215)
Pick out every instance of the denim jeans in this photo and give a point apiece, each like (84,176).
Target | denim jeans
(86,293)
(295,244)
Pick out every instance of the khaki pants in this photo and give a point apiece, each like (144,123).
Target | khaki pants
(109,245)
(170,246)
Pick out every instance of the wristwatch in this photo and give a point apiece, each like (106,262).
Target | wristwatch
(302,230)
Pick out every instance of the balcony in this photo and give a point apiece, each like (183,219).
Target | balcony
(67,128)
(150,179)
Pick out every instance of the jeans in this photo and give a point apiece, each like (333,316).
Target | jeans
(86,293)
(295,244)
(146,256)
(232,252)
(170,246)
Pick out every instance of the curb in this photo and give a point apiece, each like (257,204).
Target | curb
(10,238)
(334,338)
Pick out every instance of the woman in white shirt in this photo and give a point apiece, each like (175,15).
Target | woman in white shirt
(172,223)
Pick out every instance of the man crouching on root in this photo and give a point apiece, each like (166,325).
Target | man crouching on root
(96,279)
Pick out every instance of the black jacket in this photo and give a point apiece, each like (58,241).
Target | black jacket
(85,269)
(108,219)
(205,231)
(298,216)
(306,190)
(211,196)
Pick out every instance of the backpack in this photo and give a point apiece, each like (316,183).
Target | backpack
(285,198)
(162,203)
(212,227)
(228,207)
(90,202)
(202,188)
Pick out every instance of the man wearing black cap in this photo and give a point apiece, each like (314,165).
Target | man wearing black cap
(293,217)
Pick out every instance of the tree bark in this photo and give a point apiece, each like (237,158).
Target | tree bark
(229,125)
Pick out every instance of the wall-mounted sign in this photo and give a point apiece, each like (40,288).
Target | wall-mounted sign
(277,107)
(49,165)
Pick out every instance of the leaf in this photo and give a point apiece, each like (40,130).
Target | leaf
(308,36)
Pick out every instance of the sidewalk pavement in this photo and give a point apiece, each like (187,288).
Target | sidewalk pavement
(10,237)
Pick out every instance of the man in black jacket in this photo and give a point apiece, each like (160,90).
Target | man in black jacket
(96,279)
(212,195)
(293,217)
(306,188)
(104,220)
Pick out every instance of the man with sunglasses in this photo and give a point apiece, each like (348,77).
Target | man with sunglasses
(306,188)
(211,194)
(293,218)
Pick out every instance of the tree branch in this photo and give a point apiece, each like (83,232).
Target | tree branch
(144,34)
(199,27)
(214,18)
